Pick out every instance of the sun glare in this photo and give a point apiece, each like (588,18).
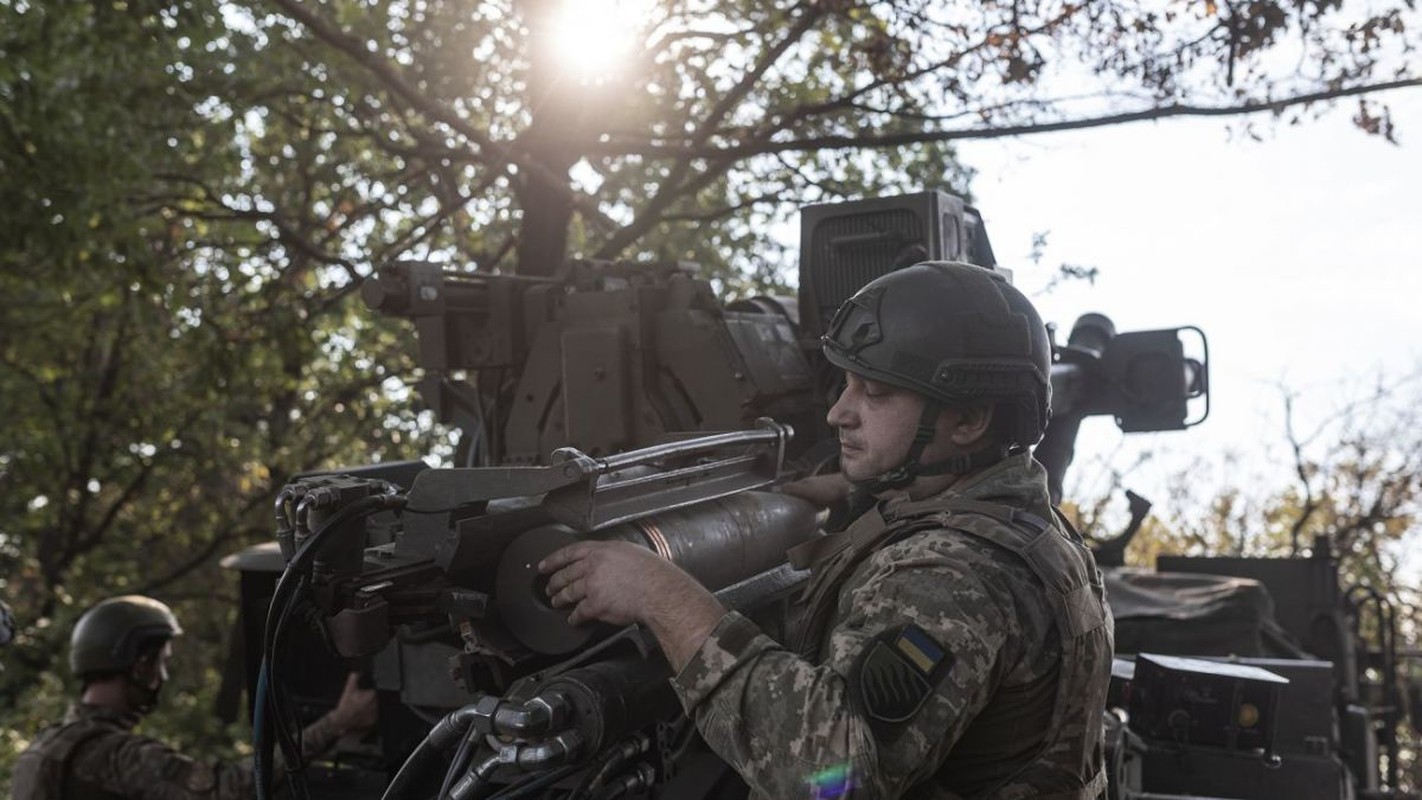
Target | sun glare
(594,38)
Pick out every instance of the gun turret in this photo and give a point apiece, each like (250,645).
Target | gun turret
(595,404)
(462,574)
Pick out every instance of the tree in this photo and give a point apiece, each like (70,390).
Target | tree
(724,116)
(195,190)
(170,351)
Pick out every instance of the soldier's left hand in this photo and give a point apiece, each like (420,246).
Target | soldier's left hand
(357,709)
(614,582)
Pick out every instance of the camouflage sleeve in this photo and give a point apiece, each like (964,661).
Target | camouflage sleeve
(143,768)
(791,727)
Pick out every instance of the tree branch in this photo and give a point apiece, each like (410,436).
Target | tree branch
(817,143)
(850,100)
(673,187)
(199,558)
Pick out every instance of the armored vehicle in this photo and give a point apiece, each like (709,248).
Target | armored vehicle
(626,401)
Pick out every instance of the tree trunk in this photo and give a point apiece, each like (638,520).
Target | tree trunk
(553,97)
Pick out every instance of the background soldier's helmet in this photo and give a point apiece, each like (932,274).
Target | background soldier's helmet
(954,332)
(112,635)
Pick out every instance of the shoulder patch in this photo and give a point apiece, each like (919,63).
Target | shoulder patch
(896,672)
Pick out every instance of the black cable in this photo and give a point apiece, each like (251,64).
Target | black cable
(271,700)
(420,762)
(428,754)
(475,780)
(535,783)
(614,758)
(281,717)
(594,775)
(296,569)
(284,719)
(457,765)
(641,777)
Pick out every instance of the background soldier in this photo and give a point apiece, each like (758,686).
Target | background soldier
(119,650)
(953,640)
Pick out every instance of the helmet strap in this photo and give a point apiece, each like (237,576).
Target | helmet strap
(142,698)
(911,468)
(963,463)
(905,473)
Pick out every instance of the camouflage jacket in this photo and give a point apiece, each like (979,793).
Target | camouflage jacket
(941,671)
(95,755)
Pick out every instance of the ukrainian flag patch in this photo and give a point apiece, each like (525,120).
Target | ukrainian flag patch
(896,673)
(919,649)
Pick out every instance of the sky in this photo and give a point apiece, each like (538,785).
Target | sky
(1298,255)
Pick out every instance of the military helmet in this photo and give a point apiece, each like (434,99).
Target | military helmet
(956,333)
(112,635)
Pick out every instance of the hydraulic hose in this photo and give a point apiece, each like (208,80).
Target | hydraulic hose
(474,779)
(427,756)
(535,783)
(532,718)
(461,760)
(615,757)
(641,777)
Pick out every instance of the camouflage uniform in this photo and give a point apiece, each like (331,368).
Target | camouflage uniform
(940,670)
(95,755)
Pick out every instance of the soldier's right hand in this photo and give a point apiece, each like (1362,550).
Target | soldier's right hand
(357,709)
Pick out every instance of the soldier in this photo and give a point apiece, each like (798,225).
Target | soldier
(119,650)
(953,641)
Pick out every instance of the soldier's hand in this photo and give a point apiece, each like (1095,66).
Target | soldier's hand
(821,490)
(614,582)
(622,583)
(357,709)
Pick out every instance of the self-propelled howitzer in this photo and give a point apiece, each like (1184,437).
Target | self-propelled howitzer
(613,400)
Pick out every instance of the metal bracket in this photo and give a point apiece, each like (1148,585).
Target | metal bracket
(587,493)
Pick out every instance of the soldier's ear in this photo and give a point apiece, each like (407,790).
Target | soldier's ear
(148,670)
(971,424)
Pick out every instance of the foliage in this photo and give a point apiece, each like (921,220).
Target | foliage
(1356,483)
(724,116)
(171,349)
(1355,486)
(194,190)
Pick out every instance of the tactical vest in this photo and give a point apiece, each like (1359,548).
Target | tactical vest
(43,771)
(1074,744)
